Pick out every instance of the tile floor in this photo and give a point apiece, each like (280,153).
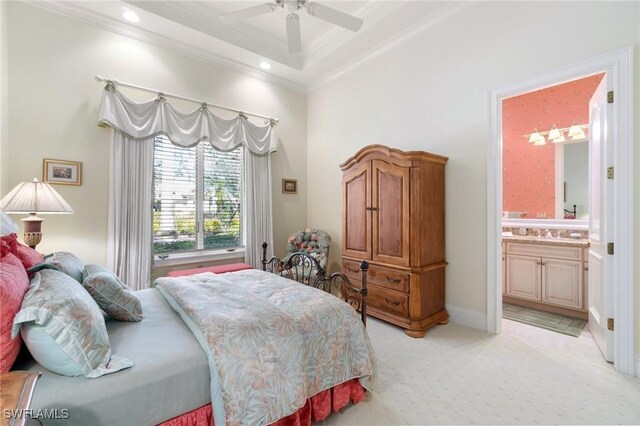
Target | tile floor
(458,375)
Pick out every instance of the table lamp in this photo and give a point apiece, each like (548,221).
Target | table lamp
(34,198)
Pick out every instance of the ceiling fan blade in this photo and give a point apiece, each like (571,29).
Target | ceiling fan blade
(249,12)
(293,33)
(334,16)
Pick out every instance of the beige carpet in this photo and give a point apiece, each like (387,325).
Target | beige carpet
(526,375)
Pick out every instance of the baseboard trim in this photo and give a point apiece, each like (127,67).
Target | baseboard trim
(467,317)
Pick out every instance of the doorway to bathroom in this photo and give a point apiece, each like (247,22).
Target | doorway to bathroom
(545,177)
(559,179)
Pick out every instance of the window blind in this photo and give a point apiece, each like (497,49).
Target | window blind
(197,198)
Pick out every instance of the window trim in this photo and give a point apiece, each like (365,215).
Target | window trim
(197,256)
(204,254)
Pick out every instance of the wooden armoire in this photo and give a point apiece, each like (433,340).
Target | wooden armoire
(393,217)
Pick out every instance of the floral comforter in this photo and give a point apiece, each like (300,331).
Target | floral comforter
(272,343)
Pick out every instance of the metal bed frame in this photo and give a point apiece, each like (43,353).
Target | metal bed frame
(305,269)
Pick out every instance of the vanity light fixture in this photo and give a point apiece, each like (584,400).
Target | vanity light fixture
(130,15)
(534,137)
(556,135)
(576,132)
(540,141)
(559,139)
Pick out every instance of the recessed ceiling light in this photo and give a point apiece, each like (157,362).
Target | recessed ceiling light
(130,15)
(265,65)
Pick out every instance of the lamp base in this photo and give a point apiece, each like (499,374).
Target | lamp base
(32,239)
(32,228)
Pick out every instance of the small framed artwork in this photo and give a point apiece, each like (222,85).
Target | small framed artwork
(61,172)
(289,186)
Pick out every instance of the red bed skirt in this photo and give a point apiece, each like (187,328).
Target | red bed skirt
(317,408)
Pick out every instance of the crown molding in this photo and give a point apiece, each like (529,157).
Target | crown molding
(107,23)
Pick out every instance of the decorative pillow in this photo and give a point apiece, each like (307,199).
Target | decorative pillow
(26,254)
(10,241)
(64,329)
(111,294)
(67,263)
(13,286)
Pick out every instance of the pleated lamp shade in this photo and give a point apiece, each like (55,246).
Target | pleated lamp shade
(34,197)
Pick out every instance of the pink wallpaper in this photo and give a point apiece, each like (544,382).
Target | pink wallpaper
(528,172)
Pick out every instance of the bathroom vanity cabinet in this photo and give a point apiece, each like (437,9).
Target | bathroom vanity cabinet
(546,274)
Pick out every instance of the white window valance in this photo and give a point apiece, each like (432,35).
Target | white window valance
(145,120)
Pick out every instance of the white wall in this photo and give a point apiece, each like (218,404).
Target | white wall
(4,100)
(431,93)
(53,108)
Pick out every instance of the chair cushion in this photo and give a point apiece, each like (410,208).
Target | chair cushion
(14,283)
(312,241)
(111,294)
(64,329)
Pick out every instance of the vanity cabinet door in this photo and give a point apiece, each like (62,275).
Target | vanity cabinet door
(523,277)
(562,282)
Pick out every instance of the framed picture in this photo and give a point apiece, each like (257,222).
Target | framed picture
(289,186)
(61,172)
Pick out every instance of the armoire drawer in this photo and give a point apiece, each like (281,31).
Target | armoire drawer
(383,277)
(388,300)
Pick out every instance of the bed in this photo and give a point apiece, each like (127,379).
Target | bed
(173,379)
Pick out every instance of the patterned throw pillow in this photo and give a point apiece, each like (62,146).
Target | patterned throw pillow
(68,263)
(64,329)
(26,254)
(111,294)
(13,286)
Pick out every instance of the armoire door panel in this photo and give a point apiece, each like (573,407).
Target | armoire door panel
(390,213)
(357,219)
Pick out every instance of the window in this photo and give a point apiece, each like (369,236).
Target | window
(197,198)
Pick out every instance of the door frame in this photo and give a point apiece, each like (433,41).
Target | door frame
(619,67)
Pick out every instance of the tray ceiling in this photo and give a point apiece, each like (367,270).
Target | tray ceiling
(194,28)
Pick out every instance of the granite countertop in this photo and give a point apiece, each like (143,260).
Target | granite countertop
(581,242)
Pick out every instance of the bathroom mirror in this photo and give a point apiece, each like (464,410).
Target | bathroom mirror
(545,155)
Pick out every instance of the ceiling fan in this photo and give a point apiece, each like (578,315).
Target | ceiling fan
(316,10)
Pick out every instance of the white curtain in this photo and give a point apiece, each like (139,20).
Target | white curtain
(134,125)
(258,220)
(130,210)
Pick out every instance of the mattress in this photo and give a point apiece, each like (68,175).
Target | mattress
(170,376)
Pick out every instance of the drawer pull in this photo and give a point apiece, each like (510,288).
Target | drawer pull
(393,280)
(352,270)
(391,302)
